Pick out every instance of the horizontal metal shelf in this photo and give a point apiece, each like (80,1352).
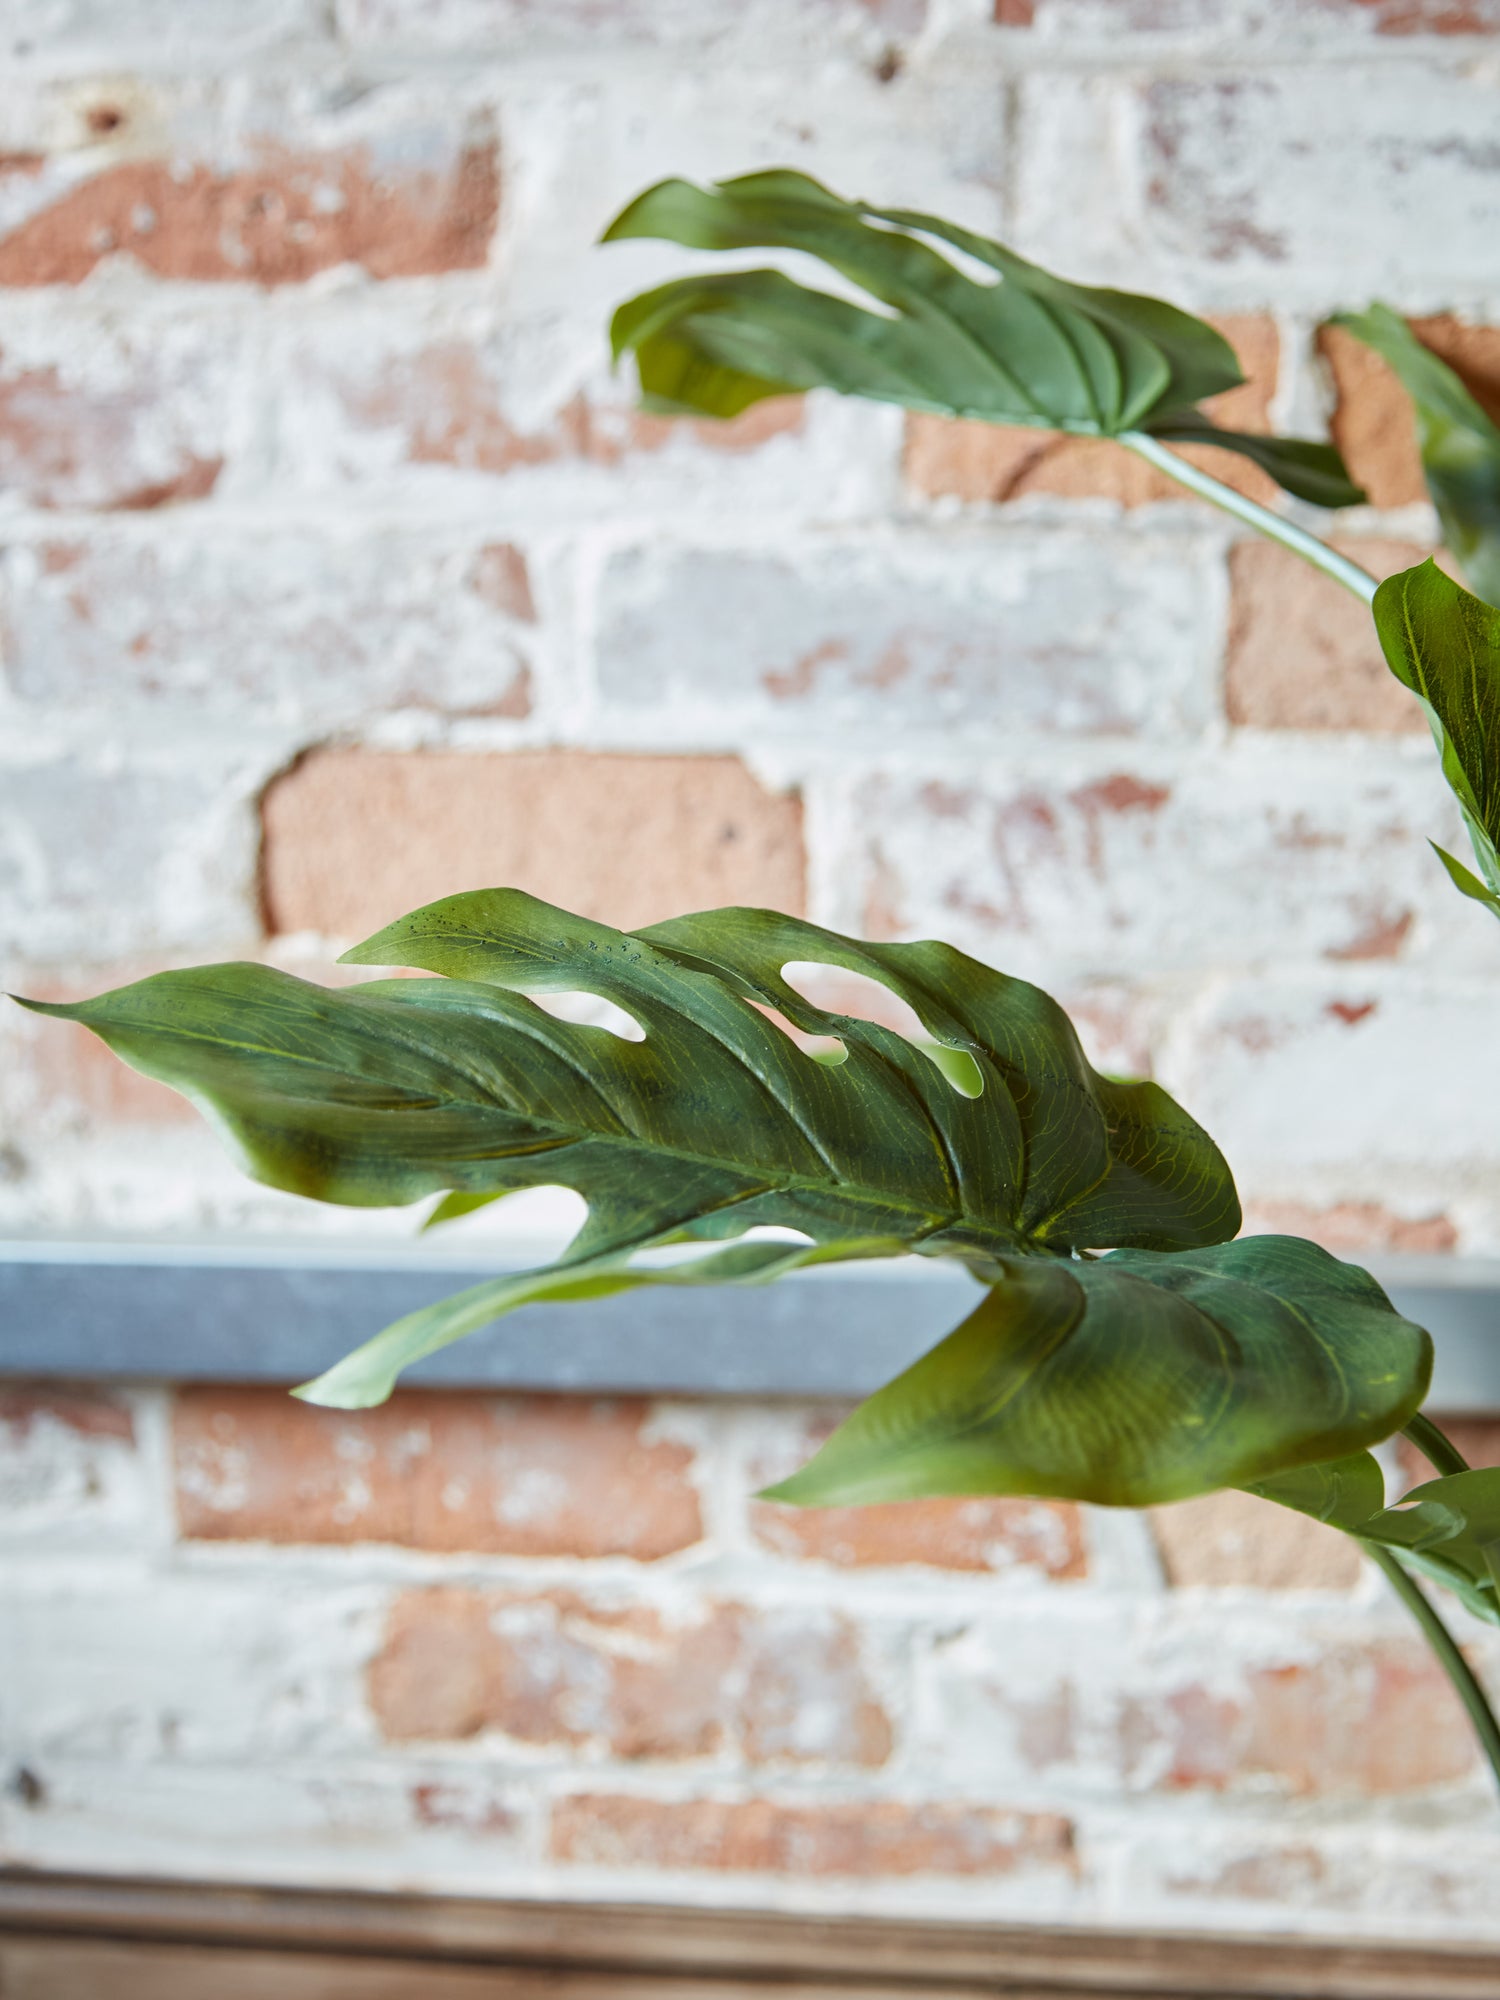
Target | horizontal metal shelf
(281,1312)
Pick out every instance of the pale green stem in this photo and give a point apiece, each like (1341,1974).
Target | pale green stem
(1465,1683)
(1318,553)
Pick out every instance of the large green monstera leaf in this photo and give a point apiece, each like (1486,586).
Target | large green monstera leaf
(1460,445)
(1445,646)
(1178,1363)
(1018,347)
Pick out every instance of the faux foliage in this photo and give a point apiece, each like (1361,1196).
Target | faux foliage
(1123,1348)
(1018,346)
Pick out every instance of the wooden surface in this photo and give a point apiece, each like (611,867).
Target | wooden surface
(75,1938)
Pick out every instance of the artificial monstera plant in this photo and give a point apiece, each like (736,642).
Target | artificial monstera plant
(1124,1347)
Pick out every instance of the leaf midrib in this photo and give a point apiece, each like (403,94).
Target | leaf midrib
(788,1181)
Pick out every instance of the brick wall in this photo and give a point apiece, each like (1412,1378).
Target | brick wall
(337,572)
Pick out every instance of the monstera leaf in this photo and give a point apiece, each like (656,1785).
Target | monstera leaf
(1021,347)
(1445,645)
(1141,1375)
(1135,1379)
(1460,444)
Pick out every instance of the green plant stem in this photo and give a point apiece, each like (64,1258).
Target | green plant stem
(1465,1683)
(1318,553)
(1443,1455)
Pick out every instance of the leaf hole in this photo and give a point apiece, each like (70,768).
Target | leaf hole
(826,1049)
(590,1010)
(837,990)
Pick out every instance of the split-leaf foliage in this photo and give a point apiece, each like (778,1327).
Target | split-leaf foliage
(1013,346)
(1176,1362)
(1458,440)
(1445,646)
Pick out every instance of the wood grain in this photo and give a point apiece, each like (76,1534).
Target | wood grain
(74,1938)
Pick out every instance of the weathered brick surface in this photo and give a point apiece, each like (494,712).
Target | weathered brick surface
(1249,171)
(531,1477)
(1217,23)
(928,631)
(102,857)
(867,1838)
(1332,1048)
(1229,1539)
(70,1467)
(976,461)
(1042,1537)
(767,1687)
(134,421)
(1372,421)
(1301,655)
(1368,1720)
(283,628)
(416,198)
(626,840)
(507,27)
(337,571)
(1254,855)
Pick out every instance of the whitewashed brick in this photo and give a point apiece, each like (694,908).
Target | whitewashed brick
(520,423)
(149,33)
(169,1667)
(1237,185)
(104,855)
(1356,1085)
(290,628)
(367,1824)
(1216,28)
(1015,632)
(75,1469)
(513,27)
(1260,853)
(99,413)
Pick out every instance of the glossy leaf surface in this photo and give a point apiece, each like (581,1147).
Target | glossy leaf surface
(1459,442)
(714,1123)
(1013,345)
(1445,645)
(1136,1379)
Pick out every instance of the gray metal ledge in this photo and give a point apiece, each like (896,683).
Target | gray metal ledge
(281,1312)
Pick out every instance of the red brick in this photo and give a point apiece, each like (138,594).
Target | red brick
(526,1476)
(979,461)
(1232,1539)
(1373,425)
(354,838)
(867,1839)
(276,221)
(1302,652)
(1368,1720)
(558,1669)
(977,1535)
